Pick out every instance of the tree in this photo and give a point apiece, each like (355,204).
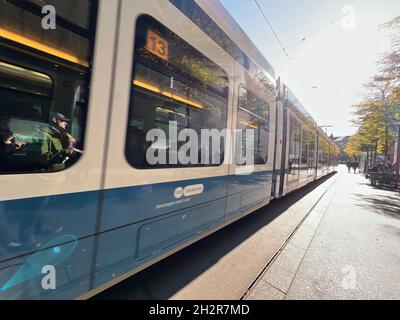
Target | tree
(379,115)
(353,146)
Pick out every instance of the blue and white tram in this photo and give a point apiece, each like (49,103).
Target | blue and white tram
(111,71)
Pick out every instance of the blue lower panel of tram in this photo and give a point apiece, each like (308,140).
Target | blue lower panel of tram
(137,225)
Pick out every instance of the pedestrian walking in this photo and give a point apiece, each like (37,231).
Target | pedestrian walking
(348,164)
(354,165)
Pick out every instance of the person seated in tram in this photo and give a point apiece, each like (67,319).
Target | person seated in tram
(58,144)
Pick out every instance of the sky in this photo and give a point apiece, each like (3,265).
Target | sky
(326,70)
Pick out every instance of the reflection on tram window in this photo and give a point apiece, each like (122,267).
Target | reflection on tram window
(253,114)
(304,147)
(172,82)
(311,153)
(43,89)
(323,154)
(25,28)
(294,149)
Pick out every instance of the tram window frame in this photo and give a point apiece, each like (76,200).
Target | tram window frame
(66,77)
(260,118)
(197,95)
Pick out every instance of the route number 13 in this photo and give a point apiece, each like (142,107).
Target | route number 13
(157,45)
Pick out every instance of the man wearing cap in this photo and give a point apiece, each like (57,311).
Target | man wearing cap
(54,150)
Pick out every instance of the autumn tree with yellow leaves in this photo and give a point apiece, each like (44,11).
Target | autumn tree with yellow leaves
(378,117)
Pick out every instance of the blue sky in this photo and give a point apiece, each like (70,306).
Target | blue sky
(333,62)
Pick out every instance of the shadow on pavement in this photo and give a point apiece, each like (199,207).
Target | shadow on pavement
(388,205)
(168,276)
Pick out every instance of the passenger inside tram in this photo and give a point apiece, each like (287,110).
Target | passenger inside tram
(57,144)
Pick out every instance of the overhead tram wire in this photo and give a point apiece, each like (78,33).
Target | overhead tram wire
(273,31)
(303,39)
(283,49)
(311,35)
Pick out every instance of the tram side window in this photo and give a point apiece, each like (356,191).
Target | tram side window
(329,155)
(294,148)
(320,155)
(253,114)
(173,85)
(311,153)
(43,90)
(323,153)
(304,147)
(320,158)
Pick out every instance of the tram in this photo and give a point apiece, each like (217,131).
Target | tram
(80,207)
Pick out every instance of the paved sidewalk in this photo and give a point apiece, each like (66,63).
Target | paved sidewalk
(347,248)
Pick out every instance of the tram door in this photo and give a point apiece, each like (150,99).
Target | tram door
(278,165)
(283,146)
(254,119)
(171,80)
